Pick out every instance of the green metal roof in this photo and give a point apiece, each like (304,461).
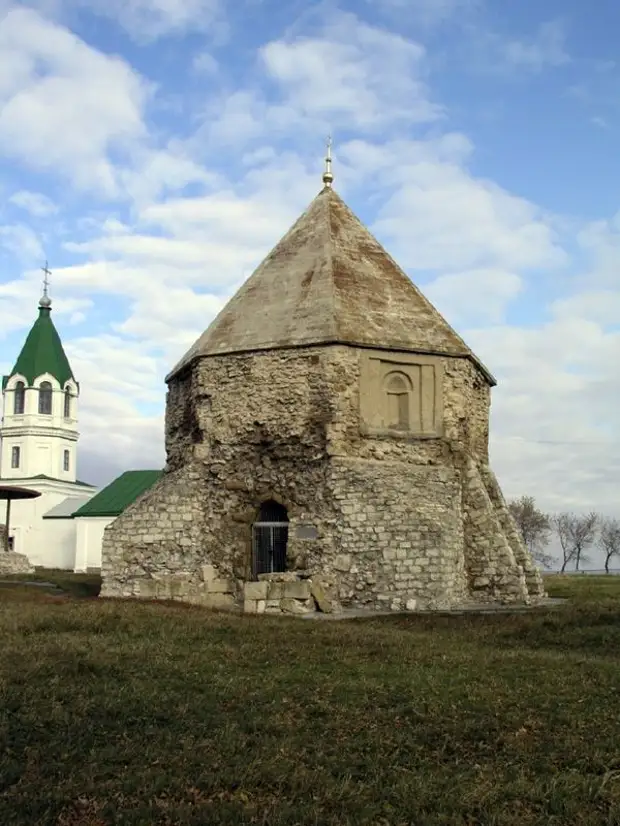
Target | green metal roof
(119,494)
(42,352)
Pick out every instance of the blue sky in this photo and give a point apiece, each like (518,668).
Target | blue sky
(154,150)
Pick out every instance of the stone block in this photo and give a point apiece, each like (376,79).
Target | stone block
(342,562)
(296,590)
(13,563)
(179,588)
(278,576)
(275,590)
(295,606)
(220,586)
(411,604)
(261,604)
(208,573)
(162,589)
(324,598)
(250,606)
(223,602)
(255,590)
(236,484)
(148,588)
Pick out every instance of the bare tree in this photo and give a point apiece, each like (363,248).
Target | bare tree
(576,534)
(609,540)
(534,526)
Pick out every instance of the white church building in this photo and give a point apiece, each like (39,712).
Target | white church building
(63,527)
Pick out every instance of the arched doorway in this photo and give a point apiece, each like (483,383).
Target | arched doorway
(269,538)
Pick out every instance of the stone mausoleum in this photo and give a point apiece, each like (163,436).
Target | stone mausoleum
(327,448)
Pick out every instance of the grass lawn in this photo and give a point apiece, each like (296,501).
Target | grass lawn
(143,714)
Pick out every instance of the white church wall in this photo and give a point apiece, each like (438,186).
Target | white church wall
(57,544)
(49,543)
(88,541)
(42,540)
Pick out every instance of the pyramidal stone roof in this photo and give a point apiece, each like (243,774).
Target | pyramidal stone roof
(328,281)
(42,351)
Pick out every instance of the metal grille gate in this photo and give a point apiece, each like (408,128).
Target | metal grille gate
(269,538)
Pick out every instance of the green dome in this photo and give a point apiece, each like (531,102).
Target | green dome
(42,352)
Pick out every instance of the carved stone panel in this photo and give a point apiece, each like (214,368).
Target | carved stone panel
(401,395)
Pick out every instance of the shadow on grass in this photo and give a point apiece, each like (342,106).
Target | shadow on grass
(78,586)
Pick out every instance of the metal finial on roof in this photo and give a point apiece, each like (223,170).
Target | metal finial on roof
(327,175)
(46,301)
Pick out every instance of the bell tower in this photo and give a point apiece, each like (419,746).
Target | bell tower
(38,434)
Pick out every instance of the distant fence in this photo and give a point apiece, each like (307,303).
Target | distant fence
(588,571)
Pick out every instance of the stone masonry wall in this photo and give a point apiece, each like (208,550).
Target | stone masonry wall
(396,520)
(509,528)
(399,535)
(492,570)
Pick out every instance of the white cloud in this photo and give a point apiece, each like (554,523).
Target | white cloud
(65,107)
(499,53)
(599,306)
(35,203)
(439,217)
(22,242)
(546,48)
(148,20)
(601,241)
(353,74)
(459,295)
(205,64)
(427,11)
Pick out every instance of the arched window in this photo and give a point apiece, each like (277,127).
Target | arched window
(398,389)
(68,403)
(269,539)
(19,400)
(45,398)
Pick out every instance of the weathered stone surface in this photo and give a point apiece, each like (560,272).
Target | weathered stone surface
(327,280)
(223,602)
(282,576)
(209,573)
(296,590)
(295,606)
(342,562)
(255,590)
(275,590)
(324,593)
(220,586)
(14,563)
(411,604)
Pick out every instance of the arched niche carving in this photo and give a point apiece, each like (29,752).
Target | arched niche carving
(398,387)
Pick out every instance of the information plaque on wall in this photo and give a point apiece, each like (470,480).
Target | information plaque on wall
(307,532)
